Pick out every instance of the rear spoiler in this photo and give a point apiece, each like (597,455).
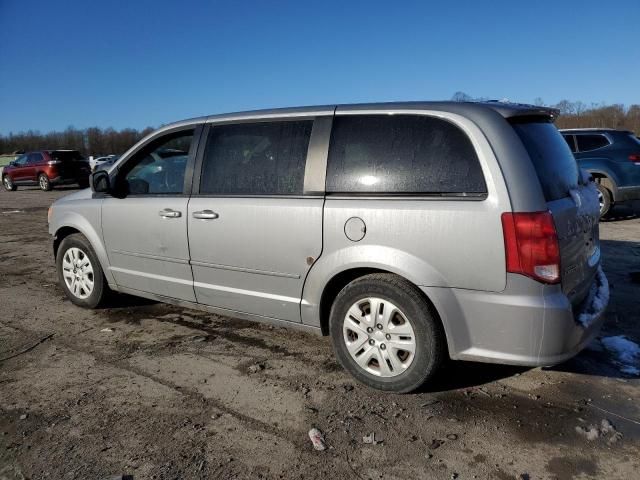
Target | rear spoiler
(521,112)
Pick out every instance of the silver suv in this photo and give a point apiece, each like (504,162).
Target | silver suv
(408,232)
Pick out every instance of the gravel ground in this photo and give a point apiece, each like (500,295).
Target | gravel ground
(149,391)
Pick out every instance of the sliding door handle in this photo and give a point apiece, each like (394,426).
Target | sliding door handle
(168,213)
(205,215)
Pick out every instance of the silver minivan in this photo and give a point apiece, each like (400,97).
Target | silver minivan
(408,232)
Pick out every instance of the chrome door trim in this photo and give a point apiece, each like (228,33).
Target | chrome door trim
(316,165)
(244,270)
(151,257)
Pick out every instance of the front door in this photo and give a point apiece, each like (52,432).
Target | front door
(21,169)
(144,224)
(253,234)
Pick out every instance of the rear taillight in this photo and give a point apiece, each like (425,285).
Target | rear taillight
(531,245)
(635,158)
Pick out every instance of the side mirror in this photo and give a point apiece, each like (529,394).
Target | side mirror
(12,163)
(100,182)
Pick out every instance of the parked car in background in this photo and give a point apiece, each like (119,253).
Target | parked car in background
(46,168)
(106,163)
(94,163)
(408,232)
(613,159)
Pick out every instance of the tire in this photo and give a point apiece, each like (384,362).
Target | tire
(44,183)
(605,198)
(84,290)
(9,186)
(404,371)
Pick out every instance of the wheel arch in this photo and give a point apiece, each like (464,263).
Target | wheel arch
(80,225)
(344,277)
(607,180)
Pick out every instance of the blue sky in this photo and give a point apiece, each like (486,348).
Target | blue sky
(137,63)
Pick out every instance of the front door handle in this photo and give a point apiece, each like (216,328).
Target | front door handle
(169,213)
(205,215)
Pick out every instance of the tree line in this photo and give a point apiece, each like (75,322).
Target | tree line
(97,141)
(89,141)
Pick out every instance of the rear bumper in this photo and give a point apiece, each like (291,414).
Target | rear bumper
(527,324)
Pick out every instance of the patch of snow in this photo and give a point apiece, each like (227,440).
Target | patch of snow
(597,299)
(586,199)
(627,353)
(575,195)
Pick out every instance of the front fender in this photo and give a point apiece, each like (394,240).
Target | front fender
(413,268)
(87,223)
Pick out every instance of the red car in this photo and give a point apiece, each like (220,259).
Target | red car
(46,169)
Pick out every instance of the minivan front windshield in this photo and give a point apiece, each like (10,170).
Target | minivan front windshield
(555,165)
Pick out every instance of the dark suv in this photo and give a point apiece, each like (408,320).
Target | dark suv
(613,159)
(47,168)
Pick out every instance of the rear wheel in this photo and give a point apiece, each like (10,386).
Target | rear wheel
(385,333)
(8,184)
(79,272)
(604,198)
(44,182)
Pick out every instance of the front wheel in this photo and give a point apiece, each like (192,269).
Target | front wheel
(8,184)
(385,333)
(44,182)
(79,272)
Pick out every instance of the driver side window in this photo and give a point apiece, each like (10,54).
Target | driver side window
(21,160)
(159,168)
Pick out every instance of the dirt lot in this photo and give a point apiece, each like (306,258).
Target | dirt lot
(150,391)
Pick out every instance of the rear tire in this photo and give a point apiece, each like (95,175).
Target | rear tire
(79,272)
(9,186)
(605,199)
(398,349)
(44,183)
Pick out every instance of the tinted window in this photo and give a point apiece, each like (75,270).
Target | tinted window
(591,142)
(34,158)
(556,168)
(21,160)
(159,167)
(266,158)
(570,142)
(401,154)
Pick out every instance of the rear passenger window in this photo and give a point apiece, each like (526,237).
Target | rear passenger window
(35,158)
(591,142)
(401,154)
(266,158)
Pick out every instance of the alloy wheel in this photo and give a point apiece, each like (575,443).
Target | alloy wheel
(77,272)
(601,201)
(379,337)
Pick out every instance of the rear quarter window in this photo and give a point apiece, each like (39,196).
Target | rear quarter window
(402,154)
(586,143)
(555,166)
